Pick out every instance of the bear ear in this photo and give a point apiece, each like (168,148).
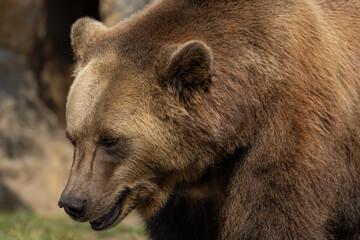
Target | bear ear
(82,31)
(186,69)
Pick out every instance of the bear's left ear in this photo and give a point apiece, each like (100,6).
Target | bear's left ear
(186,69)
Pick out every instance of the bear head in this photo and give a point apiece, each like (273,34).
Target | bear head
(137,123)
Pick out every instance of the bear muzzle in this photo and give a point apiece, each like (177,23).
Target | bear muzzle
(112,216)
(73,206)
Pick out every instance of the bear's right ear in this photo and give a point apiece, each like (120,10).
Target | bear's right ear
(82,32)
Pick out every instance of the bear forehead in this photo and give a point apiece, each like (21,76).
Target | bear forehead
(86,90)
(102,91)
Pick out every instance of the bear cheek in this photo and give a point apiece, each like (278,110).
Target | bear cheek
(113,172)
(103,165)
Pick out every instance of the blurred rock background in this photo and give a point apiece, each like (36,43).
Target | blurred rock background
(35,75)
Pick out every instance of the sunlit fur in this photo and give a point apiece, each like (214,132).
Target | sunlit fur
(236,119)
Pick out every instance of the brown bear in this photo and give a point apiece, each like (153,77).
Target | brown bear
(219,119)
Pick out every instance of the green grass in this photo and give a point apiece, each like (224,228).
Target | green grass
(25,225)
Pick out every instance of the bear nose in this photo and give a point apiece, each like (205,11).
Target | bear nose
(73,206)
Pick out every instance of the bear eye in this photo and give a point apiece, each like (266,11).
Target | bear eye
(68,136)
(108,142)
(116,145)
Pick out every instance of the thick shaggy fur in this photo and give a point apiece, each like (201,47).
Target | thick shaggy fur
(248,112)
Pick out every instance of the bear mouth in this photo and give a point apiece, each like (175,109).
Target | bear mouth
(110,218)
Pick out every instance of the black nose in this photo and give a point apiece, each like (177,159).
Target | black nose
(73,206)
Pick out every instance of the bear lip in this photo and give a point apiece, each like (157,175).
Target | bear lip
(110,218)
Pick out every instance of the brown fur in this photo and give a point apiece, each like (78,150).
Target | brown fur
(240,117)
